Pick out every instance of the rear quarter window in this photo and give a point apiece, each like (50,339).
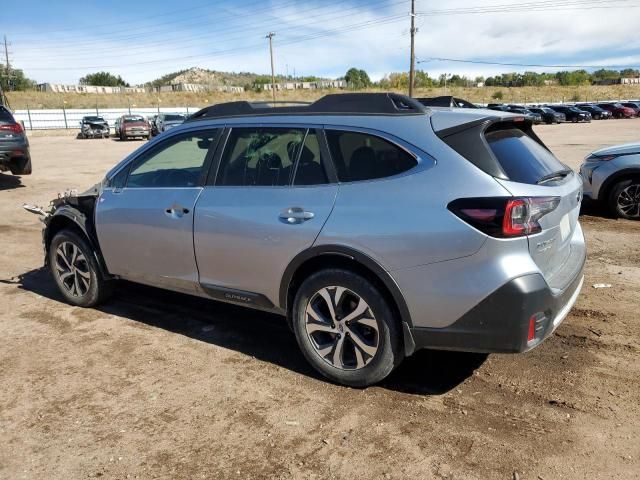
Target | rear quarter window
(521,157)
(360,156)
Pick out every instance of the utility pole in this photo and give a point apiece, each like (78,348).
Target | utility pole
(3,97)
(273,78)
(413,56)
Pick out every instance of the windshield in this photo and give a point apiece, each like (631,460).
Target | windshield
(94,119)
(133,119)
(173,118)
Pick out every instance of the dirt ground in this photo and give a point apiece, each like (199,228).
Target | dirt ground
(161,385)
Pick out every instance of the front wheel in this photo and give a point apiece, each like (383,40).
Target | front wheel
(345,328)
(76,271)
(624,200)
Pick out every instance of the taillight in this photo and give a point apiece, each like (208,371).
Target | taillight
(12,127)
(504,217)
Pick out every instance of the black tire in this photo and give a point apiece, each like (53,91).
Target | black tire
(97,289)
(388,353)
(632,184)
(574,119)
(122,137)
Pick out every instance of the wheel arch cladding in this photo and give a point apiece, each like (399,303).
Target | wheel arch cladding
(71,219)
(331,256)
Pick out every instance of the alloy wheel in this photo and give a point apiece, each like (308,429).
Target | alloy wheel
(72,269)
(342,328)
(629,201)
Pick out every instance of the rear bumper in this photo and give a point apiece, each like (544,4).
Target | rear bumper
(501,322)
(16,158)
(140,133)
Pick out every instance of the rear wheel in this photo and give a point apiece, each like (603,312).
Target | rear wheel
(76,271)
(345,328)
(624,200)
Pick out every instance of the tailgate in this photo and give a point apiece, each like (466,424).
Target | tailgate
(551,248)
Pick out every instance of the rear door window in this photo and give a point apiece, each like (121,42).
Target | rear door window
(310,167)
(361,156)
(259,157)
(521,157)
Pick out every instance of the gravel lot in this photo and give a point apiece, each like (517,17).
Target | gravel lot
(161,385)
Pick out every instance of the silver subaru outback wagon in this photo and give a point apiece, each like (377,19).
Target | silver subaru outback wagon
(375,225)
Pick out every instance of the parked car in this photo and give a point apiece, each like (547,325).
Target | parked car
(618,110)
(596,112)
(535,117)
(14,145)
(153,125)
(133,126)
(165,121)
(572,114)
(94,126)
(287,210)
(549,115)
(635,106)
(611,175)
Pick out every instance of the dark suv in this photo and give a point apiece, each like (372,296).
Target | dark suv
(572,113)
(14,145)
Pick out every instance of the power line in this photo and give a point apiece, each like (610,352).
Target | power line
(294,40)
(214,32)
(483,62)
(530,6)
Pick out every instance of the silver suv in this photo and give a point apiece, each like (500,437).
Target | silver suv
(377,226)
(611,175)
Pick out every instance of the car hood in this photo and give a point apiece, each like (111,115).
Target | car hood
(626,148)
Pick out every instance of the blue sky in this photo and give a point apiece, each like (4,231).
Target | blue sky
(63,40)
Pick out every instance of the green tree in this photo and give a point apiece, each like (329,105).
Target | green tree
(498,95)
(17,80)
(357,79)
(103,79)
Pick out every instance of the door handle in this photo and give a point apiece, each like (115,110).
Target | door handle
(176,211)
(295,215)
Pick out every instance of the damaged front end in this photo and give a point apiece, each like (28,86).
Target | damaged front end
(70,210)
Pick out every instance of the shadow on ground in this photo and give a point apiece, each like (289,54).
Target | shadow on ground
(261,335)
(590,208)
(9,182)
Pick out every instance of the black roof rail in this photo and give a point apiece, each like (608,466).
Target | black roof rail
(334,104)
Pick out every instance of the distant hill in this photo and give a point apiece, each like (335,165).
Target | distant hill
(214,78)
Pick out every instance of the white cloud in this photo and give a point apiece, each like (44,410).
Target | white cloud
(583,36)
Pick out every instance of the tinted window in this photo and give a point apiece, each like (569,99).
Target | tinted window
(360,156)
(259,156)
(522,158)
(172,118)
(5,116)
(175,163)
(133,119)
(310,170)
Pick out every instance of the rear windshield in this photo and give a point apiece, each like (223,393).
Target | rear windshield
(133,119)
(173,117)
(5,116)
(522,158)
